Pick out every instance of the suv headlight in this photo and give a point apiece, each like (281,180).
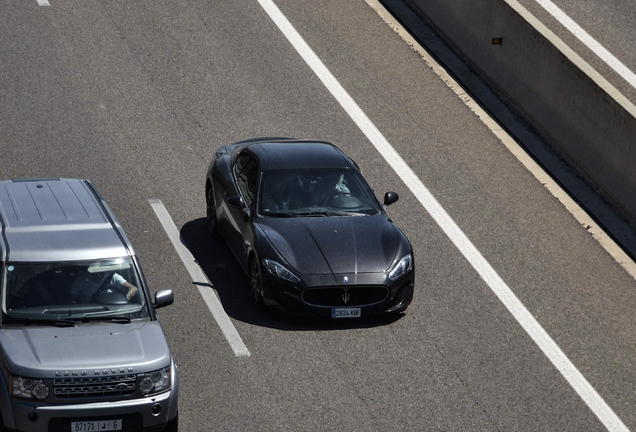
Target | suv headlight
(402,267)
(279,271)
(29,388)
(155,382)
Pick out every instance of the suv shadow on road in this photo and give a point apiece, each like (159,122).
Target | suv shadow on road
(232,285)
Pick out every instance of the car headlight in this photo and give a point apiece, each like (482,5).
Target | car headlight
(29,388)
(402,267)
(279,271)
(155,382)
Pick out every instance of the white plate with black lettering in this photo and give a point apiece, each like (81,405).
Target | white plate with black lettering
(345,313)
(96,425)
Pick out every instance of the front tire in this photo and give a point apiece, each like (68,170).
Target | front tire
(211,212)
(256,289)
(173,425)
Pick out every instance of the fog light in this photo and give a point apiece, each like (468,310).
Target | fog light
(32,416)
(156,409)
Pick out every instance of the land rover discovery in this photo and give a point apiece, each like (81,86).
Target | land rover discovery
(81,348)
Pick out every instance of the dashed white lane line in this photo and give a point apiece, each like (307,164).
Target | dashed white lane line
(43,3)
(199,279)
(589,41)
(543,340)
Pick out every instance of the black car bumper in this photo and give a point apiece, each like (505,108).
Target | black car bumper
(373,293)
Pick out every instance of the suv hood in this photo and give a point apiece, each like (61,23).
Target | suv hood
(105,348)
(334,244)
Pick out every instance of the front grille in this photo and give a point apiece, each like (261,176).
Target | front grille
(94,386)
(354,296)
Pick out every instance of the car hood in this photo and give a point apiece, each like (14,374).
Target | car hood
(47,352)
(332,245)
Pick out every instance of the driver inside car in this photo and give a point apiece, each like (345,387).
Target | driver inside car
(330,186)
(90,285)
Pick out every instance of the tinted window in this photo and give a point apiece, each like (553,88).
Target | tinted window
(246,173)
(72,289)
(334,191)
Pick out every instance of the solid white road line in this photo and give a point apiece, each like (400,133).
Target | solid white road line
(589,41)
(446,223)
(619,228)
(199,279)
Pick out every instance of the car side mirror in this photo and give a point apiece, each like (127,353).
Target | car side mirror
(390,198)
(236,201)
(163,298)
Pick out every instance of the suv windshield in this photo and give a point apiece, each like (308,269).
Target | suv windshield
(327,192)
(76,290)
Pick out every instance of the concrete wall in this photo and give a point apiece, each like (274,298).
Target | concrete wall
(588,122)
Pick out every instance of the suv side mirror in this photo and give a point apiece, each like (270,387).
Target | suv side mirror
(163,298)
(390,198)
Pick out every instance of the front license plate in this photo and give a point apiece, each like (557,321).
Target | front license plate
(345,313)
(96,425)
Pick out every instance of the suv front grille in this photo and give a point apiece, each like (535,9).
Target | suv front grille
(95,386)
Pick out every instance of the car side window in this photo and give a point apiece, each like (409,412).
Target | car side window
(246,174)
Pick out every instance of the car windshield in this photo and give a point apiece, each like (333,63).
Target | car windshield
(72,290)
(316,192)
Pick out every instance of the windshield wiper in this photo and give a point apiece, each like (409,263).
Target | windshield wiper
(116,319)
(331,213)
(345,213)
(60,322)
(281,214)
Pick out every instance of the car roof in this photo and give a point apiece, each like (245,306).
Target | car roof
(277,155)
(56,220)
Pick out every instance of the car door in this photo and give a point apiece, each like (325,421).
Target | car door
(245,172)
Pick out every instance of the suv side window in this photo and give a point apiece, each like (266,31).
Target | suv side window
(246,174)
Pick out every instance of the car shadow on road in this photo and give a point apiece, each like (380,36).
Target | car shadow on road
(232,285)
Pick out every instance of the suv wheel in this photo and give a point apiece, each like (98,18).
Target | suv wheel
(173,425)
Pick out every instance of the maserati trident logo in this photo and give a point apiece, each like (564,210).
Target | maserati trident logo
(345,297)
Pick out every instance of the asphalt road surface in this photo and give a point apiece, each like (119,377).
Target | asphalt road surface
(584,25)
(136,95)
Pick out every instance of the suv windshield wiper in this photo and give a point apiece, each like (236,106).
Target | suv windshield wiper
(60,322)
(116,319)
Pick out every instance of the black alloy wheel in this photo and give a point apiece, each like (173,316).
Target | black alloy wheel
(211,213)
(255,285)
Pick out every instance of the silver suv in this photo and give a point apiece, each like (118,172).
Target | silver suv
(80,345)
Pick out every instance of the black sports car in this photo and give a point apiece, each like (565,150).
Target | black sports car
(308,229)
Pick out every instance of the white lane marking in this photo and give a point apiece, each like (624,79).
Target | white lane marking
(537,148)
(198,277)
(589,41)
(43,3)
(450,228)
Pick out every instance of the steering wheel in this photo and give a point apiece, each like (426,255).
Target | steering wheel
(103,287)
(336,196)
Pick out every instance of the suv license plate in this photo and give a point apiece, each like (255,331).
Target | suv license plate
(97,425)
(345,313)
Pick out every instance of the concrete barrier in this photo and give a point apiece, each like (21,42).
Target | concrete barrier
(587,121)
